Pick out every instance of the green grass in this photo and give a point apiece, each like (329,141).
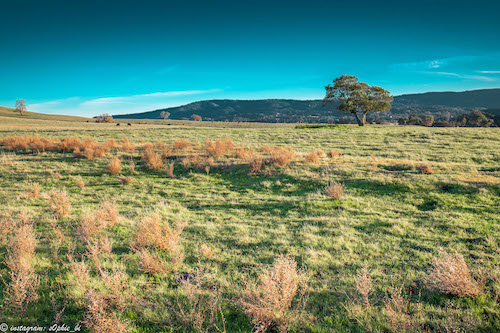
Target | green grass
(391,218)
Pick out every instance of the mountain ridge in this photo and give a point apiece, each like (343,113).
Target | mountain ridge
(442,105)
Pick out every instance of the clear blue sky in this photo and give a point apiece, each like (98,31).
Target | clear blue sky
(89,57)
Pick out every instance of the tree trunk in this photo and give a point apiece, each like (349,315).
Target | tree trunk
(360,122)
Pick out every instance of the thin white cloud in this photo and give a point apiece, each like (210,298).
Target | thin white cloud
(488,72)
(120,104)
(465,76)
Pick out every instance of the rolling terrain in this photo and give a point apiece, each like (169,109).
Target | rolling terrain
(401,196)
(443,105)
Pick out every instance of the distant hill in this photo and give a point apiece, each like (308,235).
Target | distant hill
(10,112)
(443,105)
(483,98)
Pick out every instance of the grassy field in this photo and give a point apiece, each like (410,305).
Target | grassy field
(393,218)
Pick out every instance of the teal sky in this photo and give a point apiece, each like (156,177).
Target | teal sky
(90,57)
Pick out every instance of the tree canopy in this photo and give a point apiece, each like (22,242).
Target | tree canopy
(21,105)
(357,97)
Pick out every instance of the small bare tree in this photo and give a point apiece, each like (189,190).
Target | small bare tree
(104,118)
(196,117)
(164,114)
(21,105)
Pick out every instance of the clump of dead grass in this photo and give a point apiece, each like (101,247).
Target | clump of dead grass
(424,168)
(150,263)
(126,145)
(272,302)
(59,203)
(33,190)
(451,275)
(199,308)
(124,180)
(314,156)
(334,190)
(100,317)
(23,285)
(359,305)
(333,153)
(107,213)
(151,159)
(219,147)
(282,156)
(256,162)
(152,231)
(115,166)
(181,144)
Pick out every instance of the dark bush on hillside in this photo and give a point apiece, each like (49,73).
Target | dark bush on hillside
(410,120)
(476,118)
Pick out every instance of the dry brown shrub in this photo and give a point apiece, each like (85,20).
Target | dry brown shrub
(59,203)
(94,252)
(88,226)
(199,308)
(169,169)
(424,168)
(23,285)
(88,153)
(152,231)
(69,144)
(111,143)
(115,166)
(398,313)
(81,272)
(243,152)
(282,156)
(270,303)
(126,145)
(33,190)
(150,263)
(266,149)
(16,143)
(314,156)
(116,282)
(126,180)
(38,144)
(333,153)
(107,213)
(99,316)
(181,144)
(334,190)
(450,274)
(219,147)
(163,148)
(151,159)
(359,307)
(101,150)
(256,162)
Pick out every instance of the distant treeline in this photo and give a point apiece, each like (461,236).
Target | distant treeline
(476,118)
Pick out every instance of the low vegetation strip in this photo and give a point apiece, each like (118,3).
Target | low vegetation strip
(379,230)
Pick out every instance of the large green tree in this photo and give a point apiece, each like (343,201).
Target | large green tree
(356,97)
